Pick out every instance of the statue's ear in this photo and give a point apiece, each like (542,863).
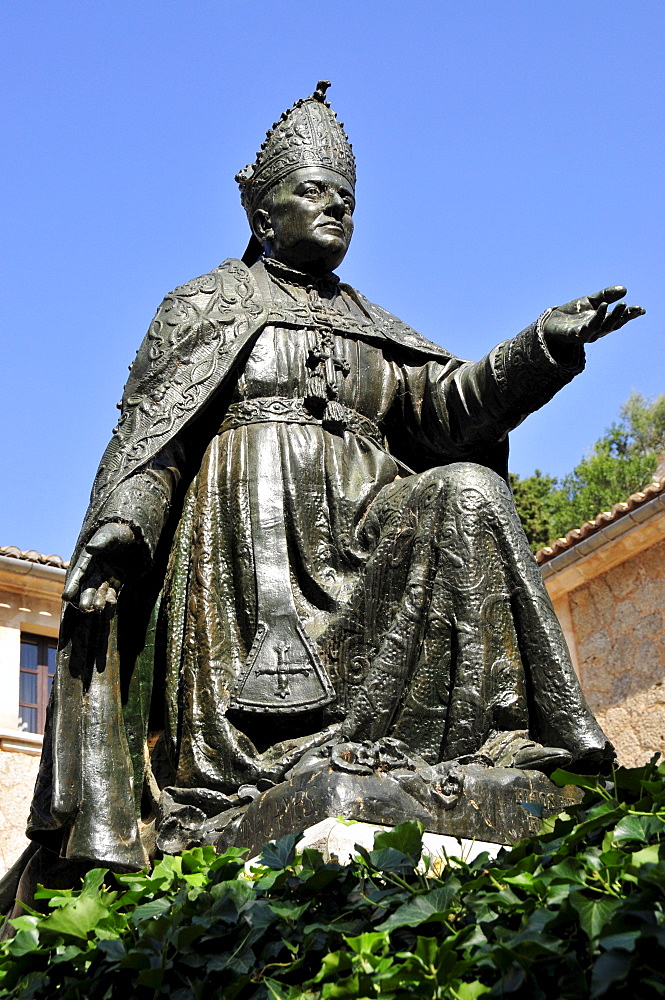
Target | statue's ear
(261,225)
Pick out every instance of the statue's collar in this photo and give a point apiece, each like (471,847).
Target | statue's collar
(326,284)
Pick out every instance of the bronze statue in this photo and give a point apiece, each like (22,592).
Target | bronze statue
(301,539)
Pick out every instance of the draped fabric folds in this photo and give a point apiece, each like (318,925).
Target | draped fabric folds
(343,484)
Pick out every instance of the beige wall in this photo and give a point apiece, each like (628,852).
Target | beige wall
(618,619)
(18,772)
(29,602)
(10,655)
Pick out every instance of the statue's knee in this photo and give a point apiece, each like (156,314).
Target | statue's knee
(468,476)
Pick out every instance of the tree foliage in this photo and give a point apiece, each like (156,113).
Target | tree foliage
(575,912)
(534,499)
(621,462)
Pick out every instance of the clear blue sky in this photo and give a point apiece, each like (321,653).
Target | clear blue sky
(510,157)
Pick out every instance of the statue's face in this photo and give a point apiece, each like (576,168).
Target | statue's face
(307,220)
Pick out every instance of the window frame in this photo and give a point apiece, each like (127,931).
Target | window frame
(43,643)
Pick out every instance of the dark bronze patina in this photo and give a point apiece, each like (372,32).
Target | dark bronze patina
(301,584)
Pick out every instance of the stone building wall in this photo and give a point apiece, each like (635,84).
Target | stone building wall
(18,772)
(619,624)
(30,594)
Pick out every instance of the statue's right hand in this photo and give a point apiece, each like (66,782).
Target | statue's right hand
(97,574)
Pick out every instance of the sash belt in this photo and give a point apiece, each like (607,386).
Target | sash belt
(283,672)
(279,409)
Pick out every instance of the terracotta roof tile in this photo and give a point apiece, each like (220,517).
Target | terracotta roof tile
(31,555)
(602,520)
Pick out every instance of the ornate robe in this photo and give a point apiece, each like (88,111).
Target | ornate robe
(329,547)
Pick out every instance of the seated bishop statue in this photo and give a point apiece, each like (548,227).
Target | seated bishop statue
(301,535)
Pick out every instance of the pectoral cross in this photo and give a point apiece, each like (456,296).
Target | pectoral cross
(284,669)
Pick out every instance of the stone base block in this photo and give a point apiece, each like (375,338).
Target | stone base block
(488,805)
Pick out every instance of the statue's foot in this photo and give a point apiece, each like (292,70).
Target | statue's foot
(516,749)
(539,758)
(599,760)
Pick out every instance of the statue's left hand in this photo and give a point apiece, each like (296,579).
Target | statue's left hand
(587,319)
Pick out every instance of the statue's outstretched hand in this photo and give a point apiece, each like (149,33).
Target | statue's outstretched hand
(98,572)
(587,319)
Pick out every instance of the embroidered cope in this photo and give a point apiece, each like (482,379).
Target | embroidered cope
(329,547)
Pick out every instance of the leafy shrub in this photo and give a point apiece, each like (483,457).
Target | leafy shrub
(576,911)
(621,462)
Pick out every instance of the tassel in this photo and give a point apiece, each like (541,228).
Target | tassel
(334,417)
(316,395)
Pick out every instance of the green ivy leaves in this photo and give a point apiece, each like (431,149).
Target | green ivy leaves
(574,912)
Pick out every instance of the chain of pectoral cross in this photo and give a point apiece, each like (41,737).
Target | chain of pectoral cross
(284,669)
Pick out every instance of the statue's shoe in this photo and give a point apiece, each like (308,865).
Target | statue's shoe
(539,758)
(516,749)
(596,761)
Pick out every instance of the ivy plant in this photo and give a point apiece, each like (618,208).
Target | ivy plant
(574,912)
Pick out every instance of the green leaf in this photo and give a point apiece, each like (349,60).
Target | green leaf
(272,879)
(511,982)
(594,914)
(561,777)
(470,991)
(368,944)
(632,778)
(425,952)
(288,910)
(345,989)
(388,859)
(149,910)
(230,859)
(322,877)
(25,941)
(622,942)
(407,838)
(537,921)
(332,965)
(653,874)
(114,950)
(647,856)
(67,953)
(198,859)
(610,969)
(77,916)
(25,922)
(312,859)
(150,977)
(93,881)
(568,870)
(433,906)
(523,880)
(640,828)
(279,854)
(42,892)
(276,991)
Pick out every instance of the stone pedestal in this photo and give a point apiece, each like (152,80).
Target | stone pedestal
(487,804)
